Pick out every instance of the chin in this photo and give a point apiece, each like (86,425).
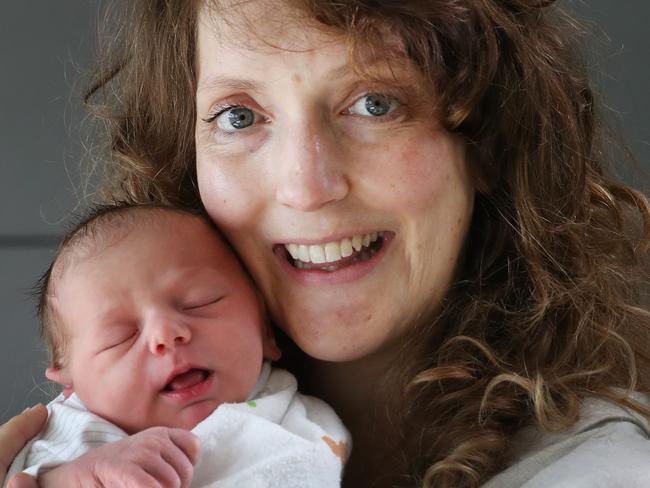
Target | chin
(339,325)
(345,346)
(193,415)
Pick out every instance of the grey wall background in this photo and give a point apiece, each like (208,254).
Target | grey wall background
(43,44)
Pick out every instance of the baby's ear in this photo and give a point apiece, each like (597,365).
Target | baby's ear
(60,376)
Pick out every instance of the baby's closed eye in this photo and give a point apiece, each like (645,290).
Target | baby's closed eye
(118,339)
(195,304)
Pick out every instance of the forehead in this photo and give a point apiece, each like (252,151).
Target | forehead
(265,36)
(246,50)
(155,237)
(265,26)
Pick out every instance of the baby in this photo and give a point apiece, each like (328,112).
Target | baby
(151,321)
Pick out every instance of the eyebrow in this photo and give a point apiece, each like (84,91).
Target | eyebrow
(218,81)
(377,60)
(341,71)
(223,82)
(110,314)
(210,275)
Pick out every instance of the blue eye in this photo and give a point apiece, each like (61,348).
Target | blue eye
(373,104)
(235,118)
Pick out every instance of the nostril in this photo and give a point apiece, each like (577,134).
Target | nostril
(160,349)
(180,339)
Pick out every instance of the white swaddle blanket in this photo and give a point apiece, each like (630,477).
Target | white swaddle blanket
(277,438)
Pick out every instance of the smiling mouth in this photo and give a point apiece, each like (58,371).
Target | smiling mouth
(334,255)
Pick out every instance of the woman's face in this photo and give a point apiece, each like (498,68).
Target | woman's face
(298,155)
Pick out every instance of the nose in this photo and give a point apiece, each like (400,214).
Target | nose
(311,168)
(165,333)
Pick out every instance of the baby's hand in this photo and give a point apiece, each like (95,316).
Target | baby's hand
(159,457)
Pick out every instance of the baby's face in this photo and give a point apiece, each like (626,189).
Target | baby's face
(162,325)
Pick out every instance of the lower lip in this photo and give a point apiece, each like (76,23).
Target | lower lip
(346,274)
(190,393)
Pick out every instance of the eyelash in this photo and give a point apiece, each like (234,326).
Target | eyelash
(220,110)
(223,108)
(194,307)
(112,346)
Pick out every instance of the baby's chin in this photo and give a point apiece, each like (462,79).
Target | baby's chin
(192,415)
(187,418)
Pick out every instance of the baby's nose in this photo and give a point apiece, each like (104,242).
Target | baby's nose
(163,346)
(165,335)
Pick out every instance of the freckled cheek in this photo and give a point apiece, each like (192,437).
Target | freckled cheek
(227,196)
(410,175)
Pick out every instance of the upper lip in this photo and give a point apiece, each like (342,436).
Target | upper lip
(337,236)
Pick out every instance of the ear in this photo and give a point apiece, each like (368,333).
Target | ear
(60,376)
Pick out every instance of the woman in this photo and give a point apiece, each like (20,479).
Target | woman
(13,435)
(419,191)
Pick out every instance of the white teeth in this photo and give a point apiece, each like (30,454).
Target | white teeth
(303,253)
(346,248)
(330,252)
(317,254)
(357,243)
(293,250)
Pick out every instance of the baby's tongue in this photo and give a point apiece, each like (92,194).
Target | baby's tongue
(186,380)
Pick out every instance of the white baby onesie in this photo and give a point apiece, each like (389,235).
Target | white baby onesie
(277,438)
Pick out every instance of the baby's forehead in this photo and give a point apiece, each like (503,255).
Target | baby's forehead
(111,229)
(91,241)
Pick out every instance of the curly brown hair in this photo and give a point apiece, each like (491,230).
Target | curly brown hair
(546,308)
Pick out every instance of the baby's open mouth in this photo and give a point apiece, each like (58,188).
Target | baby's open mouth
(334,255)
(188,379)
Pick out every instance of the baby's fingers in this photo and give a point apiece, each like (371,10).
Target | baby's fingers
(167,454)
(187,442)
(182,457)
(164,474)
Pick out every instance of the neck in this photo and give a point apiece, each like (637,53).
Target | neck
(348,386)
(356,391)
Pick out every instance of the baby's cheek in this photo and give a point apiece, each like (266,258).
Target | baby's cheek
(115,393)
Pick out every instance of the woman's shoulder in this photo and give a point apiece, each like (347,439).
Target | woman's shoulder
(608,447)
